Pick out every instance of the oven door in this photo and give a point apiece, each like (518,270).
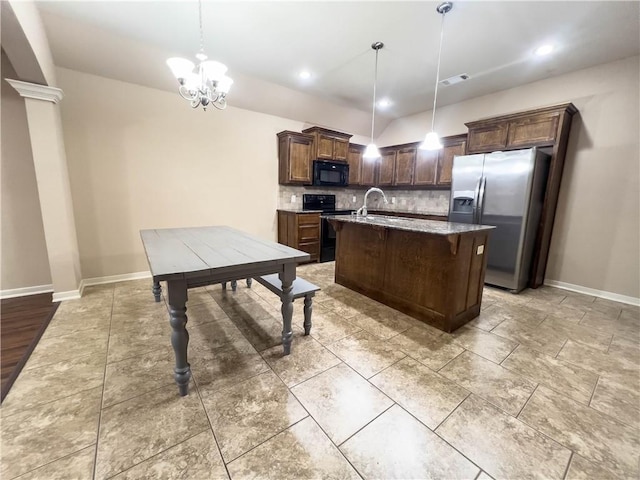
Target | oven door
(327,241)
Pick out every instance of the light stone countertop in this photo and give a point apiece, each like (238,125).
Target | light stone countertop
(435,227)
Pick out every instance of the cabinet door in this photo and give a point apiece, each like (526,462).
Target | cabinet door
(445,162)
(368,171)
(299,154)
(488,138)
(325,147)
(354,158)
(426,166)
(533,131)
(386,167)
(405,164)
(340,149)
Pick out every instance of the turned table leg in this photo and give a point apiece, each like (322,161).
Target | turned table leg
(157,290)
(249,282)
(234,285)
(287,277)
(177,290)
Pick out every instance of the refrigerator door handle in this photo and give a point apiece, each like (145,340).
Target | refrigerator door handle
(483,186)
(476,203)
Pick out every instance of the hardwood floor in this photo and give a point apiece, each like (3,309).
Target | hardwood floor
(23,320)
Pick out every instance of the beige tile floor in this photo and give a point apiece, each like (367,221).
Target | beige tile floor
(545,384)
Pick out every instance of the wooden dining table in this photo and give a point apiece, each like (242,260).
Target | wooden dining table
(198,256)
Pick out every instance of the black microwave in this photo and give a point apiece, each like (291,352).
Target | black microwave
(330,174)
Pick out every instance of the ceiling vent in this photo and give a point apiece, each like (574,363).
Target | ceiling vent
(455,79)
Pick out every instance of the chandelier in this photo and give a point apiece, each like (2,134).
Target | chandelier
(432,139)
(205,85)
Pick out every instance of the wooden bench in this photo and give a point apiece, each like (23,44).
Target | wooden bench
(301,288)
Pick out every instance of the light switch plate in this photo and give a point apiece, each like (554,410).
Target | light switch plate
(293,198)
(354,199)
(480,250)
(393,199)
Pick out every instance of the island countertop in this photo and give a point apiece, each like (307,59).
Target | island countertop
(434,227)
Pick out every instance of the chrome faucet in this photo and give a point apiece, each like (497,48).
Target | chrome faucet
(362,211)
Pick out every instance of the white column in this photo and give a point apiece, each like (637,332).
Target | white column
(52,177)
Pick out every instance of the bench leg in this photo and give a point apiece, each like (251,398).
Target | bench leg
(308,309)
(249,282)
(157,289)
(234,285)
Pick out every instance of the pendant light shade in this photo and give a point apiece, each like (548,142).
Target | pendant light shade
(372,152)
(432,140)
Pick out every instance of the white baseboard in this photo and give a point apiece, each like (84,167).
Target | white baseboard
(116,278)
(68,295)
(616,297)
(22,292)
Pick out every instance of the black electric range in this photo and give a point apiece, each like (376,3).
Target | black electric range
(327,204)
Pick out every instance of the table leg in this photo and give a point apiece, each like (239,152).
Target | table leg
(179,337)
(249,282)
(287,277)
(308,308)
(234,285)
(157,290)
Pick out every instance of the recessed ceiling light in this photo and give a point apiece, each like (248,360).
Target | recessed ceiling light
(384,103)
(544,50)
(305,74)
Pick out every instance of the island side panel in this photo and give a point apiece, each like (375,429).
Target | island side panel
(360,257)
(418,276)
(469,275)
(434,278)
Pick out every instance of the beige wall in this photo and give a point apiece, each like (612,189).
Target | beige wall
(596,241)
(142,158)
(23,249)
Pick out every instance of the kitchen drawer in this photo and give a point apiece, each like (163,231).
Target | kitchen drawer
(312,248)
(308,233)
(308,218)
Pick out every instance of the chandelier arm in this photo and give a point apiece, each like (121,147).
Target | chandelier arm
(435,94)
(187,94)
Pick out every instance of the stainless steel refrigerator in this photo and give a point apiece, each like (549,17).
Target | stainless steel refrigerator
(506,190)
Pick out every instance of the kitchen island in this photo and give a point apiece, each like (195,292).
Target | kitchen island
(429,269)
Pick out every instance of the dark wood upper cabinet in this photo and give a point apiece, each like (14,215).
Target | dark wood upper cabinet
(405,164)
(454,145)
(368,171)
(536,128)
(426,167)
(386,166)
(328,144)
(294,158)
(354,159)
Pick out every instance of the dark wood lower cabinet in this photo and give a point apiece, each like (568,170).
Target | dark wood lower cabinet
(300,231)
(437,279)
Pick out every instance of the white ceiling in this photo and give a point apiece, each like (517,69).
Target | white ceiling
(271,41)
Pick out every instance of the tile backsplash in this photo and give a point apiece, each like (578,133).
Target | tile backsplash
(435,202)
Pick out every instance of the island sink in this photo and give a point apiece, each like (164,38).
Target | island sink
(431,270)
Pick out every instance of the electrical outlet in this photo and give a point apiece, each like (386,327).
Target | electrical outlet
(480,250)
(354,199)
(393,199)
(293,198)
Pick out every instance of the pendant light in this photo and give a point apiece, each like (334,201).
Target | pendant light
(372,151)
(432,140)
